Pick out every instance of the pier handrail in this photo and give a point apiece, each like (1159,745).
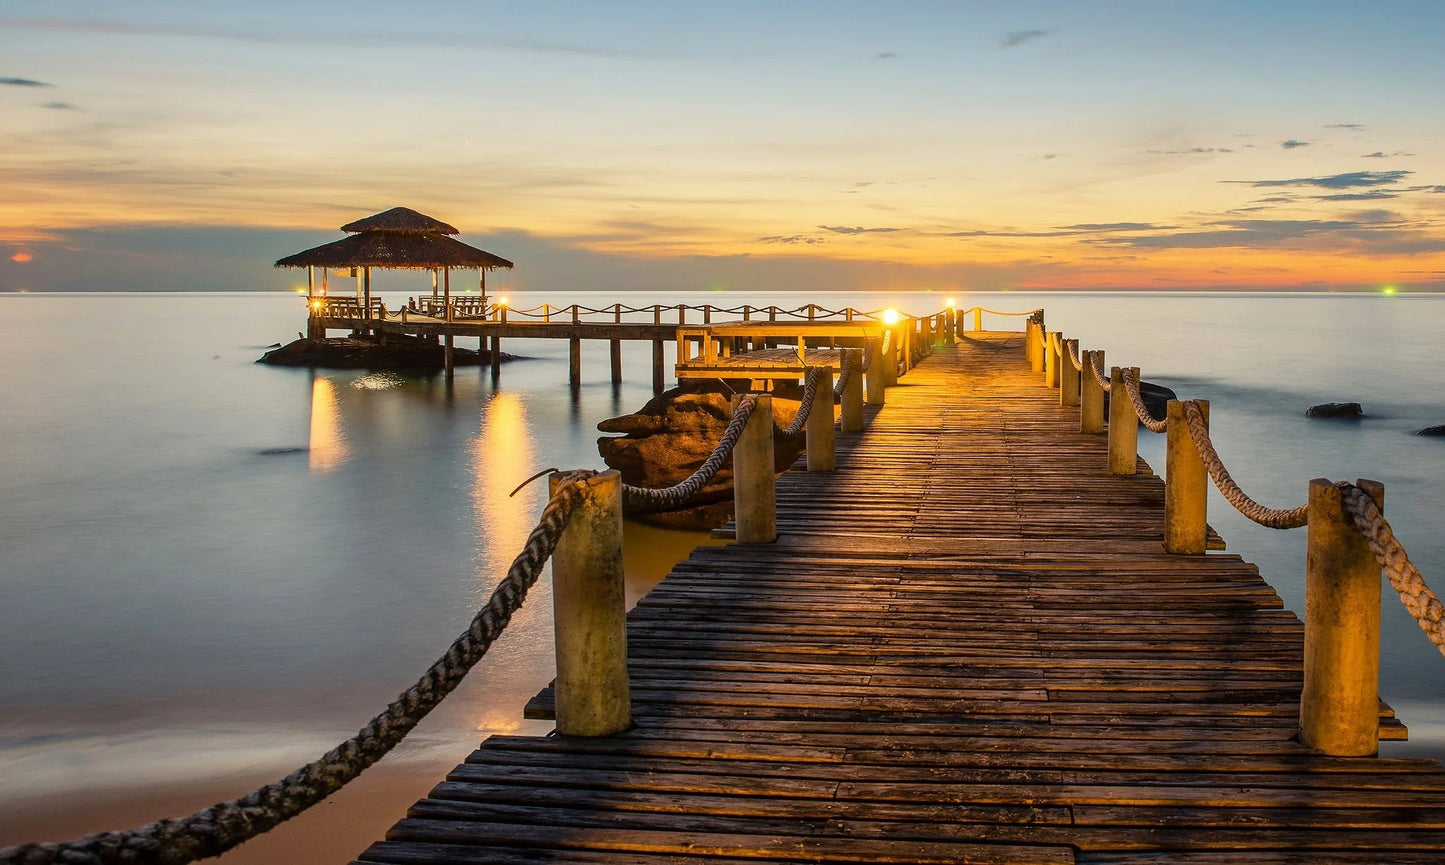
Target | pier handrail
(1365,516)
(650,499)
(214,830)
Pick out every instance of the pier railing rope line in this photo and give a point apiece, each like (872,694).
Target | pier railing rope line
(810,393)
(219,828)
(648,499)
(1099,376)
(1404,577)
(1407,581)
(1274,518)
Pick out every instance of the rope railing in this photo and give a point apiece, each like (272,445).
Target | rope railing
(1131,386)
(1404,577)
(219,828)
(810,393)
(1103,380)
(641,499)
(845,372)
(1274,518)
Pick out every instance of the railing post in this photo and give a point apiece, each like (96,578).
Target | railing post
(819,425)
(950,326)
(1123,426)
(1038,344)
(1186,484)
(978,318)
(754,495)
(852,420)
(1069,377)
(1091,395)
(1339,706)
(1051,360)
(877,374)
(589,612)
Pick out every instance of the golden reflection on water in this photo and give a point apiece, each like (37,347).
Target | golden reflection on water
(327,447)
(502,456)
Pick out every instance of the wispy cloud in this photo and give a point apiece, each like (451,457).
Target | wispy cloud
(1375,231)
(60,106)
(24,82)
(1189,150)
(1357,196)
(856,229)
(791,239)
(885,55)
(1019,37)
(1292,143)
(1080,229)
(1380,154)
(1355,126)
(1347,180)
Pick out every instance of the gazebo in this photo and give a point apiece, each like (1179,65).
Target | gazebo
(400,239)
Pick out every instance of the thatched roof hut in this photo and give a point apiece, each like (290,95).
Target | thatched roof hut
(397,239)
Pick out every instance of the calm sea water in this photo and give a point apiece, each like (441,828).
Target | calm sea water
(211,566)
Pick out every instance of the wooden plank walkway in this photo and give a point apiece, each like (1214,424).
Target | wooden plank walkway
(967,646)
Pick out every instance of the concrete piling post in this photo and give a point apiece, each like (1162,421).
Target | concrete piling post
(754,494)
(819,426)
(589,611)
(615,357)
(1186,485)
(852,420)
(1091,395)
(1123,426)
(1339,706)
(1069,377)
(574,362)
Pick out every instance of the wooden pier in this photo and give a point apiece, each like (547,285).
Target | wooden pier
(967,645)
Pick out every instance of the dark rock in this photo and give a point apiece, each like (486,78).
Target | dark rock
(1432,431)
(669,438)
(1156,399)
(397,353)
(1344,410)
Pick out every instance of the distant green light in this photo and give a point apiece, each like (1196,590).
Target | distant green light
(1389,289)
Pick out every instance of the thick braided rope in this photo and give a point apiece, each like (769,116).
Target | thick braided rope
(1131,385)
(845,371)
(1099,376)
(1274,518)
(810,393)
(1074,355)
(1404,577)
(638,499)
(220,827)
(867,354)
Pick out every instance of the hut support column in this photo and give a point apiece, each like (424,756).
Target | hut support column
(449,354)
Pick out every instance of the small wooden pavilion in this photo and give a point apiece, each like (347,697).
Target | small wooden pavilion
(402,239)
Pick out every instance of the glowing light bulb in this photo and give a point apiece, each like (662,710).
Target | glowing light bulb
(890,316)
(949,303)
(501,301)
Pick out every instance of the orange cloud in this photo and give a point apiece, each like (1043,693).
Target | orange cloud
(22,257)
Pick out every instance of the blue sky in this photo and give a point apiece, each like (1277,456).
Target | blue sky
(963,145)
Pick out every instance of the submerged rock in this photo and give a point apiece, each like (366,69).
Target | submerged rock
(398,353)
(1343,410)
(1432,431)
(669,438)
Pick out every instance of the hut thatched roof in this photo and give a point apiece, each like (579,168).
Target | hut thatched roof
(395,249)
(401,220)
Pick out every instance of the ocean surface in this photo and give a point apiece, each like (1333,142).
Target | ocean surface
(211,568)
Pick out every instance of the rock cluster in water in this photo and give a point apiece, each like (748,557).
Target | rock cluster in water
(669,438)
(397,353)
(1156,399)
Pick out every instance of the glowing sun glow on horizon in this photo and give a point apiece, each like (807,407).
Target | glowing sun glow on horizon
(22,257)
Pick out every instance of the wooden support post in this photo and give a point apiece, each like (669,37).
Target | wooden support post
(1339,706)
(449,354)
(1069,376)
(574,362)
(616,357)
(978,318)
(877,374)
(1186,485)
(819,426)
(589,613)
(925,326)
(1123,426)
(852,420)
(659,375)
(1051,360)
(754,494)
(950,326)
(890,357)
(1037,345)
(496,353)
(1091,395)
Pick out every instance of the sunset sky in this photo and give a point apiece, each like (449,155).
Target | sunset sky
(761,146)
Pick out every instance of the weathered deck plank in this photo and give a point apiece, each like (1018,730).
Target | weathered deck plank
(967,646)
